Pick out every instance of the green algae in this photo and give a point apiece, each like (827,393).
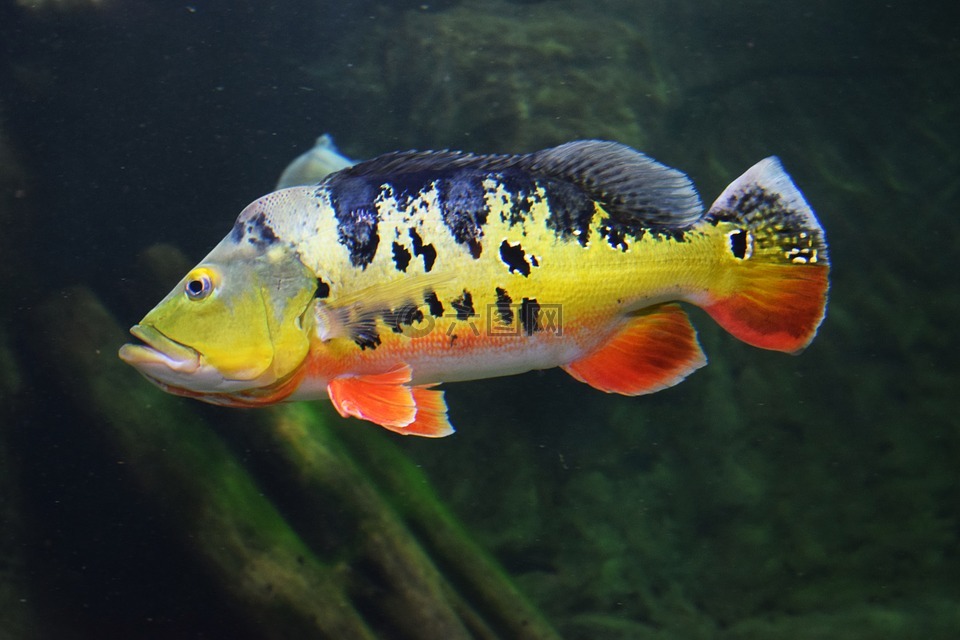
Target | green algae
(497,75)
(412,494)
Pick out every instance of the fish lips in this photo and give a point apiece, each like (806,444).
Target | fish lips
(160,358)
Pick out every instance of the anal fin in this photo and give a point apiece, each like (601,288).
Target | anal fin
(656,349)
(387,400)
(431,420)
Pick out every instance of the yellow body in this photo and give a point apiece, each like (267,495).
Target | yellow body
(585,294)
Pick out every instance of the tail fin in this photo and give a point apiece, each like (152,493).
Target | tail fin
(776,295)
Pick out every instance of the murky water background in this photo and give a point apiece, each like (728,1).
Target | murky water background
(766,497)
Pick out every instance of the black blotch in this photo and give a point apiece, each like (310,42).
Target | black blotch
(401,257)
(534,261)
(616,234)
(366,336)
(404,315)
(463,208)
(738,243)
(678,235)
(781,225)
(392,320)
(426,250)
(411,314)
(571,210)
(357,218)
(521,195)
(515,258)
(266,231)
(463,305)
(323,289)
(746,205)
(616,231)
(367,342)
(475,248)
(433,303)
(255,229)
(721,215)
(503,307)
(530,316)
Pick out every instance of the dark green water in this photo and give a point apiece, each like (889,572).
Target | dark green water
(768,496)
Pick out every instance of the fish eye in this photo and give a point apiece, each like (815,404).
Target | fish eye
(199,284)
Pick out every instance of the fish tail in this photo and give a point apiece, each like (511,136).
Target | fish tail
(774,295)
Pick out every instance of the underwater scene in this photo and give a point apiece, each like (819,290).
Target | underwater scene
(795,475)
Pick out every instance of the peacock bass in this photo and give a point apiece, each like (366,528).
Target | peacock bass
(418,268)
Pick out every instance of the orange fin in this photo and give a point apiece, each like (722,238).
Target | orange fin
(386,399)
(776,306)
(431,420)
(655,350)
(776,296)
(382,398)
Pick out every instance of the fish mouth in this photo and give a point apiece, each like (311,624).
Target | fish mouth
(159,353)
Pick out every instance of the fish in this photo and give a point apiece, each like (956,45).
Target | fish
(418,268)
(312,166)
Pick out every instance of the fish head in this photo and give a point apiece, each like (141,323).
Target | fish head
(233,324)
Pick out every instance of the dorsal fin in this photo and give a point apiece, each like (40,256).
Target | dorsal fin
(626,182)
(413,161)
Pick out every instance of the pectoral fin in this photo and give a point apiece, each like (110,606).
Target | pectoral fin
(357,314)
(655,350)
(387,400)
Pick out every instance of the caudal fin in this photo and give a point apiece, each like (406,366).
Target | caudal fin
(776,293)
